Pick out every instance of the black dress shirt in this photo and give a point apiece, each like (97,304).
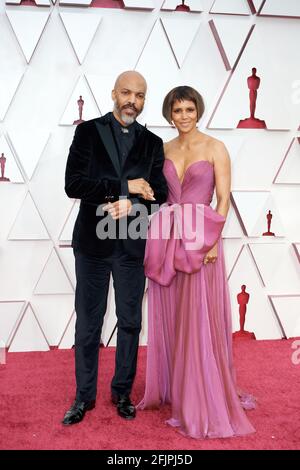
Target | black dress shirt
(125,139)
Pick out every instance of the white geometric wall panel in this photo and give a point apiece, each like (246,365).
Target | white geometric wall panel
(9,314)
(139,4)
(65,236)
(136,4)
(28,25)
(28,224)
(81,29)
(233,7)
(260,317)
(165,133)
(11,169)
(147,65)
(89,107)
(27,149)
(47,183)
(29,335)
(287,202)
(67,339)
(289,8)
(231,35)
(289,171)
(257,4)
(51,56)
(232,227)
(102,94)
(53,279)
(202,56)
(67,258)
(232,250)
(131,30)
(285,115)
(278,267)
(75,2)
(9,83)
(53,314)
(258,159)
(180,44)
(42,3)
(20,268)
(288,310)
(126,54)
(253,208)
(234,144)
(297,250)
(15,194)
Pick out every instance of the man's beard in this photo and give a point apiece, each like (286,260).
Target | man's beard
(125,118)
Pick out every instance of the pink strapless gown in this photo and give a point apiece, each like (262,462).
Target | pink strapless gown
(189,355)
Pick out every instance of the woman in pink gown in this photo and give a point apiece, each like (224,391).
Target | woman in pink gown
(189,355)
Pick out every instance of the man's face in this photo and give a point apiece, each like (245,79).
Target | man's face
(129,98)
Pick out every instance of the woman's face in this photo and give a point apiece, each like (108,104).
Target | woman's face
(184,115)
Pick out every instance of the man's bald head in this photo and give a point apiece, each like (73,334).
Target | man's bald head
(131,77)
(129,96)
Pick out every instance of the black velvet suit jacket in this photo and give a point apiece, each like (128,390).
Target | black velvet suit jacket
(93,174)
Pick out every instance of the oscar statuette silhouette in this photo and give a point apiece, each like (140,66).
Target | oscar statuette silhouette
(269,219)
(80,103)
(2,167)
(182,7)
(252,122)
(243,299)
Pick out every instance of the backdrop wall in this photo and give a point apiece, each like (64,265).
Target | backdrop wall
(52,53)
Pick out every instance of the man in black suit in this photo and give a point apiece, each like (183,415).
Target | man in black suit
(114,161)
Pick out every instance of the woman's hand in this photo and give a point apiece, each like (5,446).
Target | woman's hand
(212,255)
(141,187)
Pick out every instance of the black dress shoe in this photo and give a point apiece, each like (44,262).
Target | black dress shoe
(125,408)
(77,411)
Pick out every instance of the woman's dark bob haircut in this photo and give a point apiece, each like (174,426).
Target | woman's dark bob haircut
(181,93)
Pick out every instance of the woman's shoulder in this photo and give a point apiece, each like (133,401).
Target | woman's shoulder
(213,142)
(168,146)
(219,152)
(216,148)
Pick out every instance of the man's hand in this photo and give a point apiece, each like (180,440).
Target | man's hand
(211,255)
(141,187)
(119,208)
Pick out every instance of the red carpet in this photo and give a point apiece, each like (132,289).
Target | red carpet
(37,388)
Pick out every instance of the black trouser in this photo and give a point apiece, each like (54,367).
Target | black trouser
(93,276)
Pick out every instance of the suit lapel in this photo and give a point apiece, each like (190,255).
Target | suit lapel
(106,135)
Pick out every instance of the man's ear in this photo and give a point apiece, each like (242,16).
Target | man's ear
(113,95)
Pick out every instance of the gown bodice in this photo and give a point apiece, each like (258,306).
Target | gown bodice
(197,185)
(186,227)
